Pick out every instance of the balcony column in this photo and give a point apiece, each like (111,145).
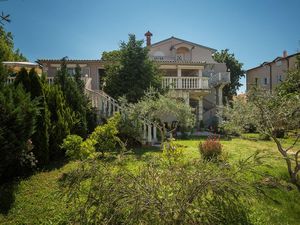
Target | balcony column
(149,137)
(200,109)
(220,95)
(179,80)
(154,133)
(144,133)
(220,102)
(200,73)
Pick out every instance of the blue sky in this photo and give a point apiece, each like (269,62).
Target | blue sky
(255,31)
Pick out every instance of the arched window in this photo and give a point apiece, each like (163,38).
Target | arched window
(182,54)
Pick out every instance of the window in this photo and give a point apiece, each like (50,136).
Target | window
(265,81)
(256,81)
(101,74)
(279,78)
(71,71)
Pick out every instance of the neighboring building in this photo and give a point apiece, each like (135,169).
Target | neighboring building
(189,70)
(15,67)
(269,74)
(89,68)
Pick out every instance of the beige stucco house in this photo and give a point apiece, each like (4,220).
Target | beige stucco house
(269,74)
(190,73)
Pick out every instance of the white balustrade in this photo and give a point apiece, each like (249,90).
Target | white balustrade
(219,78)
(187,83)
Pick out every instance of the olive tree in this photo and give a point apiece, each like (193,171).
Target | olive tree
(160,109)
(269,113)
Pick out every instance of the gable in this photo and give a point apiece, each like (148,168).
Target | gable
(180,42)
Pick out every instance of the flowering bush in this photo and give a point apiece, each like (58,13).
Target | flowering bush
(211,148)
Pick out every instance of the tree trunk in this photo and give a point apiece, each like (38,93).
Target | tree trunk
(293,174)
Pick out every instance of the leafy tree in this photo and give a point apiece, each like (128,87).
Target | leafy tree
(236,72)
(129,71)
(159,108)
(7,52)
(33,85)
(269,113)
(18,116)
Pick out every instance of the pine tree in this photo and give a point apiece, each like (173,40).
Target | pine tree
(132,72)
(33,85)
(75,98)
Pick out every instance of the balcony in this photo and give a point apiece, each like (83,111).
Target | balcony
(185,83)
(163,58)
(216,79)
(50,80)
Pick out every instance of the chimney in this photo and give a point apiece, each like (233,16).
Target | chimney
(284,54)
(148,38)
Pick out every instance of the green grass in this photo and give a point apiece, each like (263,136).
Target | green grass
(36,199)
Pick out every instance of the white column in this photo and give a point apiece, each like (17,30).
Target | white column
(154,134)
(220,96)
(105,107)
(199,73)
(144,134)
(114,107)
(149,134)
(187,99)
(179,75)
(220,102)
(200,109)
(109,106)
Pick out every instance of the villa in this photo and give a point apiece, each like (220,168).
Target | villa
(190,72)
(269,74)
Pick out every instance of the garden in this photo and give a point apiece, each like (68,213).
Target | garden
(263,191)
(59,165)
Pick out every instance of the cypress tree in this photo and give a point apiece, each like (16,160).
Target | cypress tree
(33,85)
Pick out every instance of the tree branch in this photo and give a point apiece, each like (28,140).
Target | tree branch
(298,136)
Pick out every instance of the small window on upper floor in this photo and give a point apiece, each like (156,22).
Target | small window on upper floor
(256,81)
(279,63)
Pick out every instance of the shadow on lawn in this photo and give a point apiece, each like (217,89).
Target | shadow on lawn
(7,196)
(140,151)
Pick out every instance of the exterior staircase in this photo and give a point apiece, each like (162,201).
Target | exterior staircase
(107,106)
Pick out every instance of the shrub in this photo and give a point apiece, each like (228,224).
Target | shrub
(76,148)
(211,148)
(105,136)
(87,149)
(279,133)
(71,145)
(264,137)
(187,193)
(172,152)
(18,114)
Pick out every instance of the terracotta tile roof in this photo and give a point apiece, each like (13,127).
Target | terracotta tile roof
(275,60)
(70,60)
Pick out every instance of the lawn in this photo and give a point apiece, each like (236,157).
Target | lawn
(36,199)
